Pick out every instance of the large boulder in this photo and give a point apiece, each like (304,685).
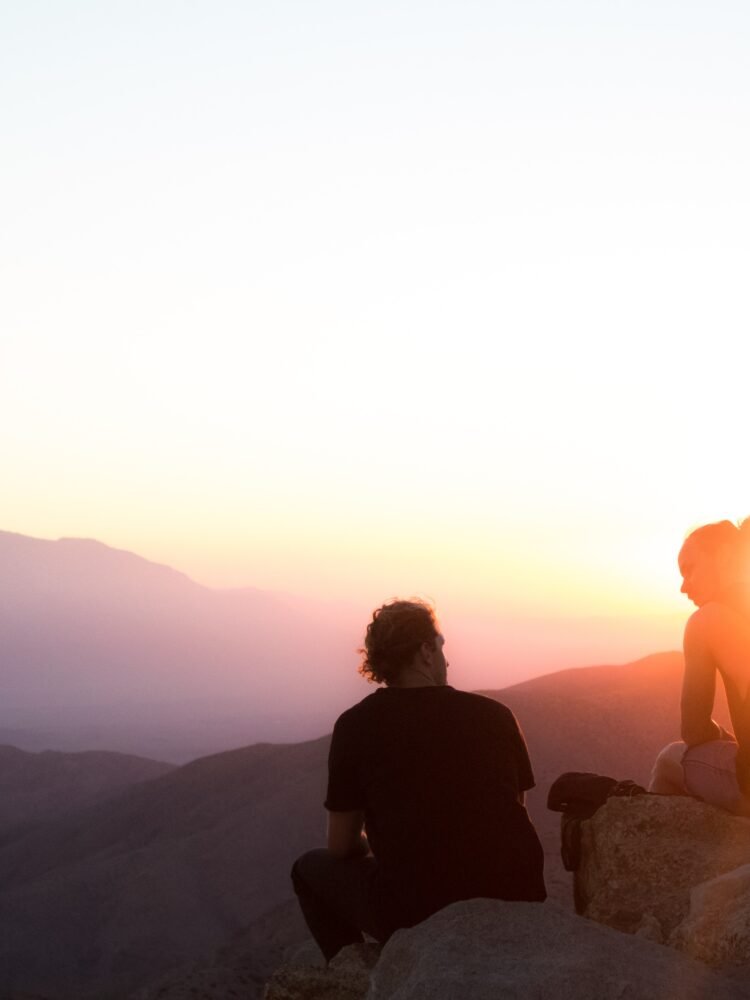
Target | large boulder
(488,949)
(641,858)
(717,927)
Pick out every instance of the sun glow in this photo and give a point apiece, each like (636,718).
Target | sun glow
(464,328)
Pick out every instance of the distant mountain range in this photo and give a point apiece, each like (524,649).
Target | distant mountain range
(40,786)
(114,894)
(102,649)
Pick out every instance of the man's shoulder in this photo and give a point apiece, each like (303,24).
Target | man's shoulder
(353,716)
(468,703)
(481,704)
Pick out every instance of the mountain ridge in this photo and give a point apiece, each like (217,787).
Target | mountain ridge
(169,870)
(38,786)
(95,636)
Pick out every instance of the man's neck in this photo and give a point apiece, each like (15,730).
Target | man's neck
(413,677)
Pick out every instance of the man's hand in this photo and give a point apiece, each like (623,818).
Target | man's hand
(345,835)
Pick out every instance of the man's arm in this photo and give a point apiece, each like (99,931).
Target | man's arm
(698,685)
(345,836)
(524,773)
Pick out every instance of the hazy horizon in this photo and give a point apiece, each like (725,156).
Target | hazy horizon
(569,640)
(104,649)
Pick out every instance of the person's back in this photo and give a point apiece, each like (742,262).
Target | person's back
(722,629)
(439,774)
(436,777)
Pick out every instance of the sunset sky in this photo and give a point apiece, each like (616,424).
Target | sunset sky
(357,300)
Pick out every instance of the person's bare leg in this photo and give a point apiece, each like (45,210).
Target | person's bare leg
(667,776)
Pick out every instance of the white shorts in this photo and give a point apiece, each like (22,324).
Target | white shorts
(711,774)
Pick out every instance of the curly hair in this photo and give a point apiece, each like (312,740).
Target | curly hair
(394,635)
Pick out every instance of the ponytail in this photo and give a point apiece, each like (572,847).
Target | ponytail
(711,536)
(736,537)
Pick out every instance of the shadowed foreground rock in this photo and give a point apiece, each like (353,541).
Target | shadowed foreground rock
(488,949)
(346,978)
(492,950)
(653,865)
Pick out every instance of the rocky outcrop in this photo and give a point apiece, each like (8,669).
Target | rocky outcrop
(488,949)
(670,869)
(346,978)
(717,927)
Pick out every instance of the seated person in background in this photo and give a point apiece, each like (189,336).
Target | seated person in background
(709,762)
(436,777)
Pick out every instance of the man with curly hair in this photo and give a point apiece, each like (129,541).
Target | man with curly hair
(425,795)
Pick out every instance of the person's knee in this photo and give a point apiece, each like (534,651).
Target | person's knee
(305,868)
(667,776)
(673,751)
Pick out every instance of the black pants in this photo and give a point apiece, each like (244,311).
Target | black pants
(338,900)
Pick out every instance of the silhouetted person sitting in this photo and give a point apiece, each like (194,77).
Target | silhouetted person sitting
(710,763)
(436,777)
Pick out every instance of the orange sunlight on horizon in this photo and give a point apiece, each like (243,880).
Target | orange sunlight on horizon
(479,566)
(466,329)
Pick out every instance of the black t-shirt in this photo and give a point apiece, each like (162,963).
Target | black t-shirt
(437,773)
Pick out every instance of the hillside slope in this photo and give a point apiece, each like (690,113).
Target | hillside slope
(42,786)
(96,904)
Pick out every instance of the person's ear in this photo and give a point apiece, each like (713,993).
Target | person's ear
(426,651)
